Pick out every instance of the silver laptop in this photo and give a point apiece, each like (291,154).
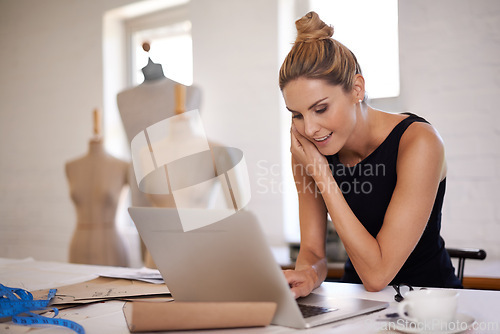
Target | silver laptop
(230,260)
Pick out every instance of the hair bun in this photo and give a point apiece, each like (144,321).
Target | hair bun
(311,28)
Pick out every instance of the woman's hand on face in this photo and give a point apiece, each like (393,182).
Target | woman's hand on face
(307,154)
(301,282)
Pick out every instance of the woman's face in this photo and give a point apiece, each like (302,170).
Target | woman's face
(321,112)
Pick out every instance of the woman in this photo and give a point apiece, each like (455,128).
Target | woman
(380,176)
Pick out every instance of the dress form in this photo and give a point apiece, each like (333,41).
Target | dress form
(147,104)
(96,182)
(183,134)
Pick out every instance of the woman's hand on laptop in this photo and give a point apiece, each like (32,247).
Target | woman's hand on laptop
(301,282)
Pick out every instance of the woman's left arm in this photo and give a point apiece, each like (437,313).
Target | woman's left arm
(420,168)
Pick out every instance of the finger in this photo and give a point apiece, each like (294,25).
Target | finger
(306,144)
(300,139)
(291,276)
(296,147)
(296,134)
(294,141)
(298,285)
(300,291)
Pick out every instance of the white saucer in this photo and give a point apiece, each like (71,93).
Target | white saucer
(461,323)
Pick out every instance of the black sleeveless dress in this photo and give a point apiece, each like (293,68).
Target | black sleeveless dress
(368,187)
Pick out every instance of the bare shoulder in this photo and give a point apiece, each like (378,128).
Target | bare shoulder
(423,135)
(422,147)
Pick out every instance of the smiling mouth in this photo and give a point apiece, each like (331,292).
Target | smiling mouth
(323,138)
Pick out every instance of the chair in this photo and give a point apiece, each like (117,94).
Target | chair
(465,253)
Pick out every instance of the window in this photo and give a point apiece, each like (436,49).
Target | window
(370,30)
(162,23)
(169,34)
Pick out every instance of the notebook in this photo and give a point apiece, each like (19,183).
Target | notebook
(230,260)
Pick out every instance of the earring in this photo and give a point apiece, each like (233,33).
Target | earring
(360,101)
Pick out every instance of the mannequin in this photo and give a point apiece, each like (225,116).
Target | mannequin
(96,182)
(183,134)
(147,104)
(179,142)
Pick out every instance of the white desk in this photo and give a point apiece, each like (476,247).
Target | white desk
(108,318)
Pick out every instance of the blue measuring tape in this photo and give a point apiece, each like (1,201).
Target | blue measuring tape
(15,302)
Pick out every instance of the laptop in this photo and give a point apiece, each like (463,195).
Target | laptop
(230,260)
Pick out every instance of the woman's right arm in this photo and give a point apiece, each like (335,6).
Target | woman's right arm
(311,265)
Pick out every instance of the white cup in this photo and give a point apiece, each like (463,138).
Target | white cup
(429,307)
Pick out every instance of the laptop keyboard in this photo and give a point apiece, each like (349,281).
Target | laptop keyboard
(311,310)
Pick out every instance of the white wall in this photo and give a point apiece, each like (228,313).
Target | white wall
(51,79)
(450,69)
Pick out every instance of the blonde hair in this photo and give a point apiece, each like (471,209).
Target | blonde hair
(316,55)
